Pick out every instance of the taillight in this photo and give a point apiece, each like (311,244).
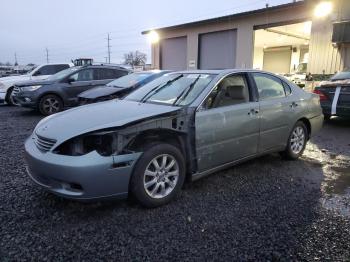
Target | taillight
(323,97)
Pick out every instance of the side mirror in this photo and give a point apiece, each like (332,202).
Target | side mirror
(70,80)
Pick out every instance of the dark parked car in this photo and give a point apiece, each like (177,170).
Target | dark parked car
(61,90)
(335,95)
(119,87)
(182,125)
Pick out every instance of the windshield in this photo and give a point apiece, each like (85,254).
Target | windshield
(63,73)
(341,76)
(129,80)
(174,89)
(31,72)
(302,68)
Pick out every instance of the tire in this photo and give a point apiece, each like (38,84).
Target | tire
(9,100)
(152,186)
(296,142)
(50,104)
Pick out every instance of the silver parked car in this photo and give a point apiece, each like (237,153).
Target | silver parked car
(182,125)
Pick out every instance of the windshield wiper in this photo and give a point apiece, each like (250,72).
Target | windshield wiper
(186,90)
(158,88)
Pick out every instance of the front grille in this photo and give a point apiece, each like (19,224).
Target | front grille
(16,90)
(44,144)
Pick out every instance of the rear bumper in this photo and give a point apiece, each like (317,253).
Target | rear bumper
(342,110)
(316,124)
(85,177)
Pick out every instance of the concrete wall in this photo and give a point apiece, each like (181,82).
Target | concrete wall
(245,33)
(323,57)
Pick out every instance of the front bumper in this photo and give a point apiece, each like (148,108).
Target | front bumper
(85,177)
(2,97)
(25,100)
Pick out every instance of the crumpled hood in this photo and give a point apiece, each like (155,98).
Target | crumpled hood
(109,114)
(101,91)
(34,82)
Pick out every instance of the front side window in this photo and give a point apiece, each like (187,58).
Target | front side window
(83,75)
(232,90)
(59,68)
(46,70)
(269,87)
(174,89)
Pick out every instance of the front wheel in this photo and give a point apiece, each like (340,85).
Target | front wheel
(50,104)
(9,98)
(158,175)
(296,142)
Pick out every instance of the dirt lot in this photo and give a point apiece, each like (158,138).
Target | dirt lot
(265,209)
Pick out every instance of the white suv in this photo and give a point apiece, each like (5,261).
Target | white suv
(39,73)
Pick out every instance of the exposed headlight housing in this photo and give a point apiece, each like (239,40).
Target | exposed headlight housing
(104,143)
(30,88)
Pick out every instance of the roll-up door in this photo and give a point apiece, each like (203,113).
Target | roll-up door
(217,50)
(277,60)
(173,53)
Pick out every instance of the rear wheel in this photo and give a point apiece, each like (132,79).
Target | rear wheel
(9,98)
(296,142)
(50,104)
(158,175)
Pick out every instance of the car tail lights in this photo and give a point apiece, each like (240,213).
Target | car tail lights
(323,97)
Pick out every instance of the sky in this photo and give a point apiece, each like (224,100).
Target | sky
(78,28)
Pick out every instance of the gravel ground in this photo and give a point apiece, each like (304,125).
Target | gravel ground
(265,209)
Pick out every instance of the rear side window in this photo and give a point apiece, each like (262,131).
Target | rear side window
(269,87)
(287,88)
(83,75)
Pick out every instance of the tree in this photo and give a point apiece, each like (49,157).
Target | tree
(136,58)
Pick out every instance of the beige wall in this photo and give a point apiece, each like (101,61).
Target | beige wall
(323,56)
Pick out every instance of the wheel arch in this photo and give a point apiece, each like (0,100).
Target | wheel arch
(307,124)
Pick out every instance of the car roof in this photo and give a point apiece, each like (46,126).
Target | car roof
(105,66)
(222,71)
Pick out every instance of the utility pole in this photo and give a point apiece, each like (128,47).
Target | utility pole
(16,59)
(109,49)
(47,55)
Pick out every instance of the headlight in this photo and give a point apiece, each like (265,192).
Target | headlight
(30,88)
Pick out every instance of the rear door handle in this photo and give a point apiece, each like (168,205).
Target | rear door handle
(253,111)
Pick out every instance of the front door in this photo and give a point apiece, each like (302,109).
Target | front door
(227,124)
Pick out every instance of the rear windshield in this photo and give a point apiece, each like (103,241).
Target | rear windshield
(341,76)
(172,89)
(129,80)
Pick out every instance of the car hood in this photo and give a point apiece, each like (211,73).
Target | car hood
(93,117)
(34,82)
(9,80)
(101,91)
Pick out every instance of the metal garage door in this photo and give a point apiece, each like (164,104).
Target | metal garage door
(277,60)
(173,52)
(217,50)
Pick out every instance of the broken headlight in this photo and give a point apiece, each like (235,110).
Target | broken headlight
(101,142)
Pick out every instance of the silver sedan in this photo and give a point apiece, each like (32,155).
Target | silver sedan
(182,125)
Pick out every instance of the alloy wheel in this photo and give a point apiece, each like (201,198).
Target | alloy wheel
(297,140)
(51,105)
(161,176)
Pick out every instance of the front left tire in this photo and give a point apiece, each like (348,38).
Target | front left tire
(50,104)
(158,175)
(9,98)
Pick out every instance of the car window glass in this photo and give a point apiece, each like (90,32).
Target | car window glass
(83,75)
(59,68)
(232,90)
(269,87)
(47,70)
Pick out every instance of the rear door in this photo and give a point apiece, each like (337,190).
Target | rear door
(227,124)
(279,109)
